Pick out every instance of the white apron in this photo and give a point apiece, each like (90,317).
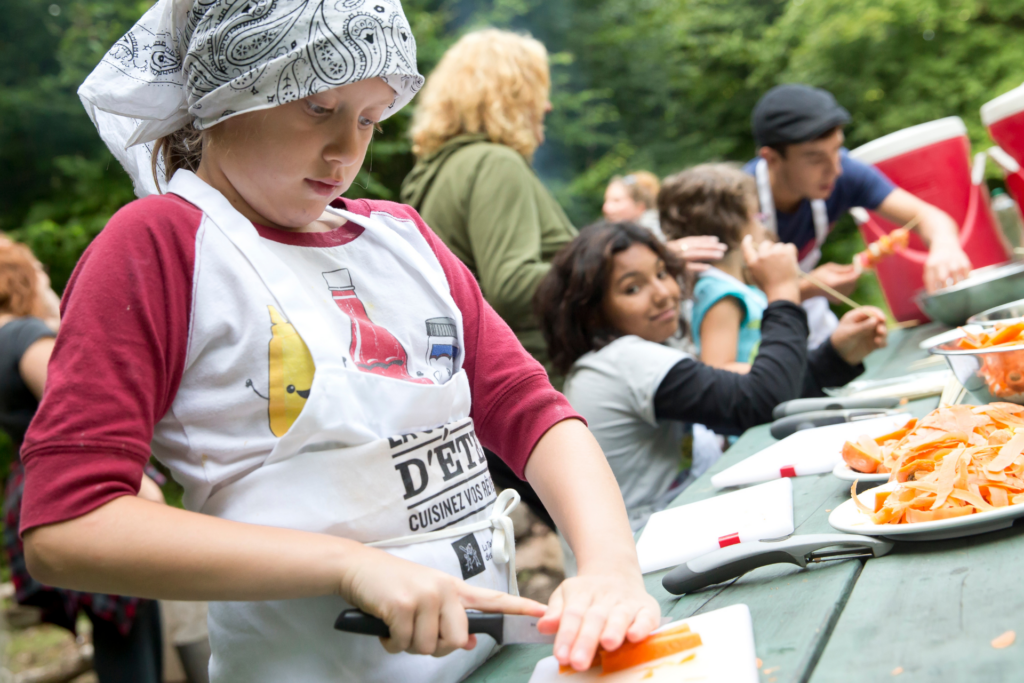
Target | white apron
(820,319)
(380,492)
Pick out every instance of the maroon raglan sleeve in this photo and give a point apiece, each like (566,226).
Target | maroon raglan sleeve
(117,362)
(514,404)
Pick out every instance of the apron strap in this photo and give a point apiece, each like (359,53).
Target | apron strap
(819,213)
(503,545)
(764,196)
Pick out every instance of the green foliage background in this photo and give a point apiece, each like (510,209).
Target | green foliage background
(657,84)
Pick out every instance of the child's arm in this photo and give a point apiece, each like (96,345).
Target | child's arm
(607,602)
(720,335)
(131,546)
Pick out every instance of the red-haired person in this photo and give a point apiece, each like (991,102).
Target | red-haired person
(126,631)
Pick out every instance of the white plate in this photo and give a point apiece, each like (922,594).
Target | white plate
(726,656)
(844,472)
(848,517)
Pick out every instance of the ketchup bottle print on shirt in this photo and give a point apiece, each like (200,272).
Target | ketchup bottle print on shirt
(373,349)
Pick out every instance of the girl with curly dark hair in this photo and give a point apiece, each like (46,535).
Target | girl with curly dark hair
(607,309)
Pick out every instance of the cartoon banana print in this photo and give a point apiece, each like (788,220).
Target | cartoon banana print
(291,373)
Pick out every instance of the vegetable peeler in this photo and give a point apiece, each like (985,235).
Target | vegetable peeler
(807,405)
(786,426)
(735,560)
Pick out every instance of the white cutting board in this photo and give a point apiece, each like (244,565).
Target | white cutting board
(809,451)
(680,534)
(725,656)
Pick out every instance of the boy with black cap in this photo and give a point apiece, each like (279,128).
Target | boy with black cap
(806,181)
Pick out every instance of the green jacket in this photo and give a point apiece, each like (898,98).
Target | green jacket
(486,203)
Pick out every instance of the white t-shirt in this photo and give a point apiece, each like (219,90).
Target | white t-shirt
(614,389)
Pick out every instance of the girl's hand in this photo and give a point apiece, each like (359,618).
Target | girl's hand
(598,609)
(424,608)
(859,332)
(697,251)
(773,267)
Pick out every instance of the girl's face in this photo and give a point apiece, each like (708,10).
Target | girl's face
(642,297)
(282,166)
(619,206)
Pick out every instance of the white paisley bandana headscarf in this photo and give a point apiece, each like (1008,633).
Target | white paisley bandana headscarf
(206,60)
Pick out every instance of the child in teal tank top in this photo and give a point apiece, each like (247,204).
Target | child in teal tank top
(715,285)
(719,200)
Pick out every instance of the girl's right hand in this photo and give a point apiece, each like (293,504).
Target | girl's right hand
(773,267)
(424,608)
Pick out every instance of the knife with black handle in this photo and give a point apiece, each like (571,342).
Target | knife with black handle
(504,628)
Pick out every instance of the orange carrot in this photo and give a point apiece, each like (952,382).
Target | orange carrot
(956,461)
(655,647)
(1008,333)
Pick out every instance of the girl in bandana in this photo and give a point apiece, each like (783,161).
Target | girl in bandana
(321,374)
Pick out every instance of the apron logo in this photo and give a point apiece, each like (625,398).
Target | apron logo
(471,560)
(444,475)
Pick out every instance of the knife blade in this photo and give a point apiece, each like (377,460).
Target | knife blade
(785,426)
(507,629)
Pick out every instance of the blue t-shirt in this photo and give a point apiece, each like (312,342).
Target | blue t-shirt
(859,185)
(712,286)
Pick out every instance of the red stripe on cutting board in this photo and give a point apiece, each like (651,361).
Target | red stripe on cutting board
(787,471)
(728,539)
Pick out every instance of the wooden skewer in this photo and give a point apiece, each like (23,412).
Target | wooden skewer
(925,362)
(912,223)
(829,290)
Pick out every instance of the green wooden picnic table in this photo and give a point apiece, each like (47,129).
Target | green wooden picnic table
(925,612)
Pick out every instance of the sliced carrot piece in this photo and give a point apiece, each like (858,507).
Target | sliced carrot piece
(915,516)
(896,435)
(655,647)
(859,459)
(1006,334)
(1010,451)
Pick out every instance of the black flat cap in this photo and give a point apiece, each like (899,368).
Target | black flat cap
(793,113)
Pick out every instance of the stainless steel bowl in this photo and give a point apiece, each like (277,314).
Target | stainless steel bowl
(1010,311)
(984,372)
(985,288)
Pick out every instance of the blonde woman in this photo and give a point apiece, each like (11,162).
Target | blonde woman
(478,121)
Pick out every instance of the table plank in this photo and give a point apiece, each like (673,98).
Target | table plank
(794,611)
(932,608)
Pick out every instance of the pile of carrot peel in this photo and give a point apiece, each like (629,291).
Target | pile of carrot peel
(1003,372)
(956,461)
(657,645)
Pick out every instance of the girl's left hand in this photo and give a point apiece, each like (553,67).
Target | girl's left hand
(598,609)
